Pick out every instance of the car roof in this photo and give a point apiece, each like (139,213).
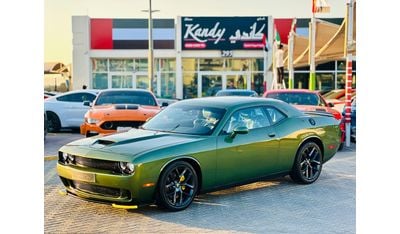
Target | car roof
(236,90)
(291,91)
(125,90)
(233,102)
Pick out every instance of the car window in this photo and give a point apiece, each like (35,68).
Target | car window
(298,98)
(125,97)
(76,97)
(274,114)
(251,118)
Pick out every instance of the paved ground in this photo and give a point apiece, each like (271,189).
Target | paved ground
(270,206)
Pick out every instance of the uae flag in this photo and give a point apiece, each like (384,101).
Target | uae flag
(265,42)
(131,33)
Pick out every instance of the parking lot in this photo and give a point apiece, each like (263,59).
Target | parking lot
(270,206)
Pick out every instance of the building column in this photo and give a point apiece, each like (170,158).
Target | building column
(81,67)
(178,49)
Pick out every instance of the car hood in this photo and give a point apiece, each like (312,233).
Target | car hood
(127,145)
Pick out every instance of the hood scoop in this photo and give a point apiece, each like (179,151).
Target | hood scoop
(126,107)
(103,142)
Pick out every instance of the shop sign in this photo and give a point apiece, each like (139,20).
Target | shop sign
(223,33)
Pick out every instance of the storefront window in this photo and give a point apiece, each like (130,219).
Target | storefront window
(100,81)
(121,65)
(329,66)
(257,82)
(325,81)
(166,65)
(168,85)
(341,82)
(237,64)
(189,85)
(189,64)
(99,65)
(141,65)
(301,80)
(257,64)
(211,64)
(121,81)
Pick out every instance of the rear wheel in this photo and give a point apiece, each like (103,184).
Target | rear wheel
(177,187)
(53,122)
(308,164)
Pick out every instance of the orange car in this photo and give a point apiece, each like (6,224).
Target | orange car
(117,110)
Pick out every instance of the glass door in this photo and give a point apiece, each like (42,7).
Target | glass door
(236,81)
(120,80)
(209,84)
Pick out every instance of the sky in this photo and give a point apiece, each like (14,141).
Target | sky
(58,13)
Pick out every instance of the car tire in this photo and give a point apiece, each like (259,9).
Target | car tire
(308,164)
(177,186)
(53,121)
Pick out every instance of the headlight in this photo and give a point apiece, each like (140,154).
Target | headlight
(66,158)
(92,121)
(127,167)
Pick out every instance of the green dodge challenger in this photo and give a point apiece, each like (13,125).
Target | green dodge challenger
(199,145)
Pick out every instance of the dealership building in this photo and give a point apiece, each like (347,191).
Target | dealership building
(193,56)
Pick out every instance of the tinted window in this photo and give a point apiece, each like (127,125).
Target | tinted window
(126,97)
(196,120)
(274,114)
(298,98)
(237,93)
(251,118)
(77,97)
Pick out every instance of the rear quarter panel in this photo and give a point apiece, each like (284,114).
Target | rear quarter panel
(294,131)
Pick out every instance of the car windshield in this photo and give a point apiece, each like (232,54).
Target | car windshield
(236,93)
(125,97)
(298,98)
(186,119)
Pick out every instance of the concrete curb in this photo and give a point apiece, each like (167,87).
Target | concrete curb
(50,158)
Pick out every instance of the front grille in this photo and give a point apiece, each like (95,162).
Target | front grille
(98,164)
(101,190)
(110,166)
(112,125)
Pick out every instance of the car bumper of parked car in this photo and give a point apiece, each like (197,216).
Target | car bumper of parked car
(93,129)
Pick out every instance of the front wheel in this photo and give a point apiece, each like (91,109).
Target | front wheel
(177,187)
(308,164)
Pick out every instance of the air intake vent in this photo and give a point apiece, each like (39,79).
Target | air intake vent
(104,142)
(126,107)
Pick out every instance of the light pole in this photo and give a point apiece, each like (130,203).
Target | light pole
(150,62)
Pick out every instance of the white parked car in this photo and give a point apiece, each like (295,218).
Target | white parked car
(66,110)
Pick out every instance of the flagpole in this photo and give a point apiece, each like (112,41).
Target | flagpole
(311,83)
(290,55)
(349,71)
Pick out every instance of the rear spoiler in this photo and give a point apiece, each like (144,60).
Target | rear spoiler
(320,113)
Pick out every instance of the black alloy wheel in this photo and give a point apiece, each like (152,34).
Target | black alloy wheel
(53,122)
(177,187)
(308,164)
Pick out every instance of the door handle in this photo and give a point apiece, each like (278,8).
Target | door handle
(272,134)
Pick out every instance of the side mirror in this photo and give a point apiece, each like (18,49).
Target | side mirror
(330,104)
(239,130)
(164,104)
(86,103)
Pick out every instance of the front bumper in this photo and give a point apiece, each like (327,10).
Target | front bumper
(95,185)
(93,128)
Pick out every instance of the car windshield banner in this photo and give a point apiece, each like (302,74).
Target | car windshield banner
(224,33)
